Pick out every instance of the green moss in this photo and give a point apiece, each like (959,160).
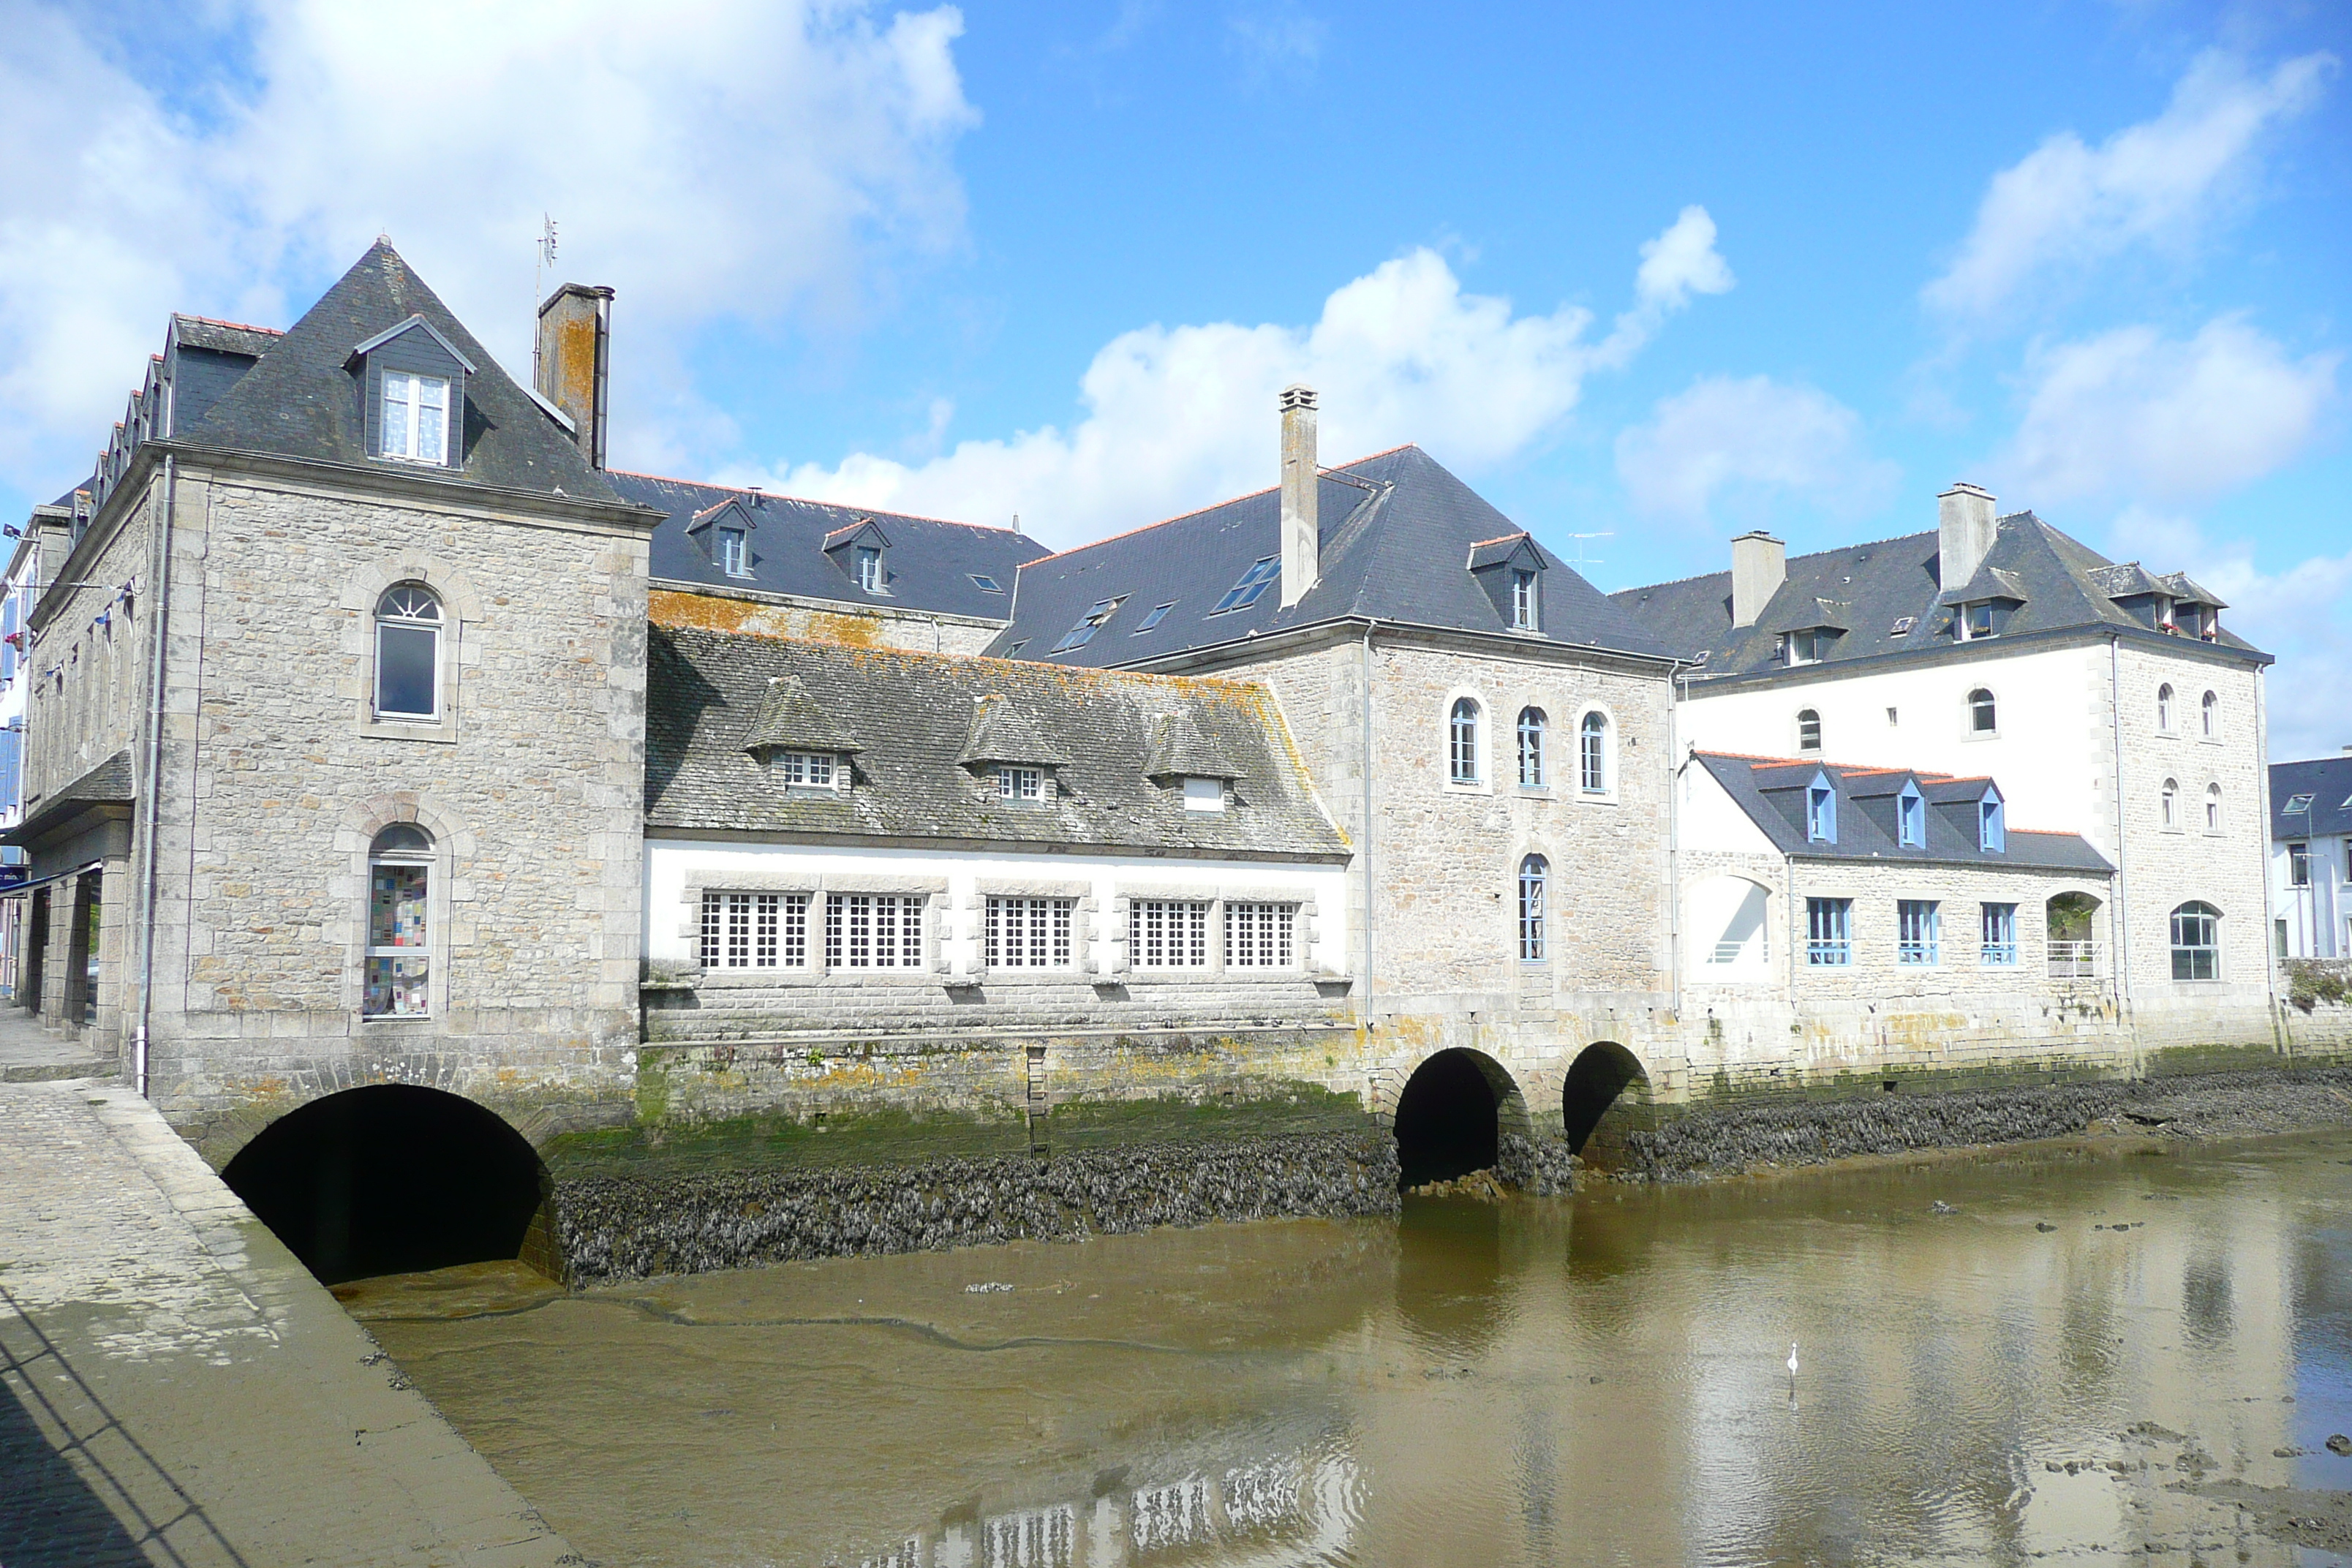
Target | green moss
(886,1137)
(1267,1109)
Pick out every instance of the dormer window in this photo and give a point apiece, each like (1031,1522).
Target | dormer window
(734,553)
(861,552)
(1820,812)
(1992,832)
(415,417)
(1523,599)
(1975,621)
(804,770)
(1910,819)
(1805,647)
(1021,784)
(870,568)
(1204,794)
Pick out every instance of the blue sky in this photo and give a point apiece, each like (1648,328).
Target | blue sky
(1657,275)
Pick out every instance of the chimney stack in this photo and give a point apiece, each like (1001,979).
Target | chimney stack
(1964,533)
(1760,564)
(1302,537)
(574,362)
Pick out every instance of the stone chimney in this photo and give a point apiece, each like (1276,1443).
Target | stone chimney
(1302,536)
(1964,533)
(1760,564)
(572,367)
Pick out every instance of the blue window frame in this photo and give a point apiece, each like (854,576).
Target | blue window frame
(1998,948)
(1829,933)
(1821,811)
(1918,932)
(1158,614)
(1910,819)
(1992,832)
(1253,585)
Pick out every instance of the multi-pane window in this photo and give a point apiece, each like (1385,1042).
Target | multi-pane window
(755,930)
(806,770)
(2164,706)
(1976,620)
(1983,716)
(1259,936)
(399,917)
(1021,784)
(1462,742)
(1252,584)
(1593,754)
(1168,933)
(1804,647)
(1918,931)
(873,930)
(1531,748)
(2210,714)
(869,568)
(1997,945)
(415,417)
(2171,802)
(408,652)
(1808,730)
(1828,931)
(2212,808)
(734,555)
(2298,865)
(1523,599)
(2196,943)
(1029,933)
(1097,612)
(1535,881)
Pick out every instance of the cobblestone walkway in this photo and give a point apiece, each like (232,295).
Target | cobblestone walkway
(180,1391)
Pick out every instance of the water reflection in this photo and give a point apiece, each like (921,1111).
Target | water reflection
(2005,1358)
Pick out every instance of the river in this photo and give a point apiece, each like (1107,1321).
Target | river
(2101,1352)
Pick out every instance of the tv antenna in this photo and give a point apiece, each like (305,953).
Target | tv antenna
(1580,562)
(545,248)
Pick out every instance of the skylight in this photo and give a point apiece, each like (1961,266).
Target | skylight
(2299,803)
(1902,625)
(1158,614)
(985,583)
(1079,635)
(1254,583)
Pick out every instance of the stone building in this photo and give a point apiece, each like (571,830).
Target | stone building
(2107,701)
(1491,734)
(336,760)
(2311,858)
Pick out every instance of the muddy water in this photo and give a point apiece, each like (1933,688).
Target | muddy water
(2080,1354)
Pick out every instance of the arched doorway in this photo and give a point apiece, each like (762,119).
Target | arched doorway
(1451,1117)
(390,1179)
(1606,1097)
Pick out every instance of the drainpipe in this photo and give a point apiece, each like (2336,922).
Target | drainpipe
(2121,921)
(151,787)
(1675,763)
(1367,847)
(2281,1037)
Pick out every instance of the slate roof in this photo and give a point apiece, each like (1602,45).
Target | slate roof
(1771,791)
(913,716)
(1398,536)
(302,399)
(930,562)
(2057,582)
(107,784)
(2328,782)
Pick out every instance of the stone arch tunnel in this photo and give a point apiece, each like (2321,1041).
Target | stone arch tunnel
(1606,1096)
(1451,1114)
(393,1178)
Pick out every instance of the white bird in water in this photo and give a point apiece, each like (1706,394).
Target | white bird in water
(1793,1361)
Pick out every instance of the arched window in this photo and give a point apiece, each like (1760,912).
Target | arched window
(399,914)
(1808,730)
(2213,808)
(1982,718)
(2171,804)
(1535,871)
(408,652)
(1463,752)
(2211,713)
(1531,748)
(2196,943)
(2164,706)
(1593,754)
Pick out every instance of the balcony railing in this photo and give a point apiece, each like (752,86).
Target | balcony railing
(2074,960)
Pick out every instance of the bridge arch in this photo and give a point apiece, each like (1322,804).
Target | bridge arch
(1606,1096)
(1451,1114)
(390,1178)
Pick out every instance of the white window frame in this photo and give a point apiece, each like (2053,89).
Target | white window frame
(869,561)
(1159,929)
(1809,716)
(1525,608)
(2208,717)
(1596,753)
(735,552)
(1533,728)
(807,770)
(1021,931)
(2168,805)
(1458,755)
(1992,706)
(754,930)
(1020,783)
(1261,935)
(2164,708)
(1533,906)
(425,861)
(1204,794)
(856,934)
(437,624)
(411,431)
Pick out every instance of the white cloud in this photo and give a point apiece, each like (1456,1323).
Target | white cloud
(1279,40)
(2303,615)
(2132,413)
(2066,205)
(712,159)
(1181,417)
(1749,439)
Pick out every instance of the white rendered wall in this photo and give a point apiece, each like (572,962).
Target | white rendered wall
(2318,918)
(672,905)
